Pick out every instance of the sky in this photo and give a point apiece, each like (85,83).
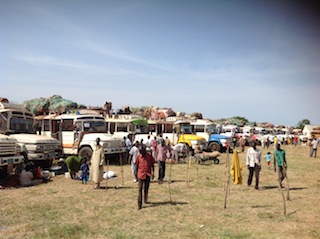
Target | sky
(254,59)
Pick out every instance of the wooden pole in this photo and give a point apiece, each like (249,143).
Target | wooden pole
(228,180)
(107,174)
(169,182)
(121,168)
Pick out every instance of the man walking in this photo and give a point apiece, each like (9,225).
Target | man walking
(145,165)
(314,146)
(253,162)
(280,163)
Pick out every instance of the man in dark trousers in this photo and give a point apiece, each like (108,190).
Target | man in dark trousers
(145,165)
(253,162)
(280,163)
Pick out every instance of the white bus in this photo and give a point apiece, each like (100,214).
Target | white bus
(127,125)
(78,131)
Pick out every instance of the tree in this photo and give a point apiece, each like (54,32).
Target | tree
(302,123)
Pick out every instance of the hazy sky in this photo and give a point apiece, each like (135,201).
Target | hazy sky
(255,59)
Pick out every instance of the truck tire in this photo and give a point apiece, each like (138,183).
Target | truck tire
(85,152)
(3,172)
(214,146)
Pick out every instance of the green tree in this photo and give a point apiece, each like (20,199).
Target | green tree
(302,123)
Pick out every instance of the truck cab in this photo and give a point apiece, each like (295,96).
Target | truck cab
(18,123)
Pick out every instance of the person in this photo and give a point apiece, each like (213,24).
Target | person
(128,144)
(295,140)
(263,141)
(84,176)
(134,152)
(267,142)
(253,162)
(268,159)
(97,163)
(26,177)
(145,167)
(162,155)
(275,141)
(154,146)
(314,146)
(168,142)
(243,143)
(234,141)
(73,163)
(148,144)
(280,163)
(176,149)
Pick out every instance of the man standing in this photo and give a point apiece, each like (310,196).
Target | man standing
(145,166)
(253,162)
(134,152)
(128,146)
(314,146)
(280,163)
(97,163)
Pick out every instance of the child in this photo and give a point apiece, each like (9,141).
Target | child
(268,159)
(84,171)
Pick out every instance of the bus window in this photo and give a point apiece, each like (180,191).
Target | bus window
(67,125)
(122,127)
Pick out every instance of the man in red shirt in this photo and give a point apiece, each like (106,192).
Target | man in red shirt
(145,164)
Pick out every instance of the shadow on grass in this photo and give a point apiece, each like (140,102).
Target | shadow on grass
(155,204)
(114,187)
(276,187)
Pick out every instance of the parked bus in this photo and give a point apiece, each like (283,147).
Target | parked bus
(127,125)
(78,131)
(17,122)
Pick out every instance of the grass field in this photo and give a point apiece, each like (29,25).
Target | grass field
(65,208)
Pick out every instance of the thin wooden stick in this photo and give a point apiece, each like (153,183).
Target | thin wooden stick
(228,180)
(107,174)
(169,182)
(121,166)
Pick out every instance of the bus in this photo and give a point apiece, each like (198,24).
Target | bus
(128,125)
(78,130)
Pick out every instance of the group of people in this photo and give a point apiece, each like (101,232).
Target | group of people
(143,156)
(253,162)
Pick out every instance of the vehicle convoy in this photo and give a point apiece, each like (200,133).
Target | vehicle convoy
(207,129)
(9,154)
(18,123)
(78,130)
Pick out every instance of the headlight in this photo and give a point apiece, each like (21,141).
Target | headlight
(18,148)
(223,141)
(39,149)
(193,142)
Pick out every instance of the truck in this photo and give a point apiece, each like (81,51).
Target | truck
(10,153)
(207,129)
(18,123)
(77,132)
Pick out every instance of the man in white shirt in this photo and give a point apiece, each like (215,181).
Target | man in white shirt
(177,148)
(314,146)
(253,162)
(134,152)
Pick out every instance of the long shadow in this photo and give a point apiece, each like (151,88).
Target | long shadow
(115,187)
(273,187)
(156,204)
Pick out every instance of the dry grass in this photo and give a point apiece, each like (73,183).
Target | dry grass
(65,208)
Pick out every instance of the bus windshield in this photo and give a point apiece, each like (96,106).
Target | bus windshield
(21,125)
(94,126)
(141,129)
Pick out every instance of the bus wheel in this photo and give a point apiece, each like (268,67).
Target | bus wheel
(85,152)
